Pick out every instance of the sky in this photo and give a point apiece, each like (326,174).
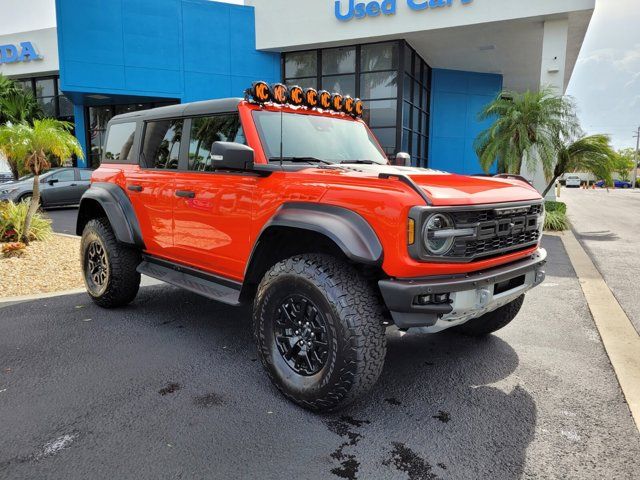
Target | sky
(606,79)
(605,82)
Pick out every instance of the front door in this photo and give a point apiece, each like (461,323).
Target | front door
(58,188)
(212,209)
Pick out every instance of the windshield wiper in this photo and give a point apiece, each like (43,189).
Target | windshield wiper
(300,159)
(365,162)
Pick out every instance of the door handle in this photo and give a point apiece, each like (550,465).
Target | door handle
(185,194)
(74,184)
(134,188)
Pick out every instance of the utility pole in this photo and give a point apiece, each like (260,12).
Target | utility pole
(636,158)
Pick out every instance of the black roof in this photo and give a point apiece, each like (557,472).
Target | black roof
(182,110)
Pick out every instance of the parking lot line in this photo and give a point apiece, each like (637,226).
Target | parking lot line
(620,339)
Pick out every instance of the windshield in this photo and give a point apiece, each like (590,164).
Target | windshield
(316,138)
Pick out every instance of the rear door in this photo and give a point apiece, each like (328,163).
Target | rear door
(58,188)
(212,209)
(151,187)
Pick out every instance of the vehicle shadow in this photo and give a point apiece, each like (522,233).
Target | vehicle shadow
(456,392)
(445,406)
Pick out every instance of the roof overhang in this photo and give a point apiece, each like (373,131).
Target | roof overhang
(489,36)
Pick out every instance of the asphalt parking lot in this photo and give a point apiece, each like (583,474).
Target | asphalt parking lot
(63,219)
(607,223)
(169,387)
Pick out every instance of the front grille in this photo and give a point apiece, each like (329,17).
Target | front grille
(497,230)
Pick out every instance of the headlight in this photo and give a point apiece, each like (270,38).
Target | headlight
(437,239)
(8,191)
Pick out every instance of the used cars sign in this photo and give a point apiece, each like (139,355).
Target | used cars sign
(375,8)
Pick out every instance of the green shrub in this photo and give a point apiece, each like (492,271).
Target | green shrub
(551,206)
(556,221)
(12,217)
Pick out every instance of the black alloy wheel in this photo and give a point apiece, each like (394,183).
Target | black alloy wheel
(301,335)
(96,267)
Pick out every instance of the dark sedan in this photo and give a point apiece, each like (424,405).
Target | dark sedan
(58,187)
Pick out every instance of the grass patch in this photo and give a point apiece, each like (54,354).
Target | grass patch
(556,216)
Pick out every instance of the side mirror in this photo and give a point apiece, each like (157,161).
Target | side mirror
(231,156)
(402,159)
(52,181)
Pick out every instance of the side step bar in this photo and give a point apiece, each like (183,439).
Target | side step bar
(192,279)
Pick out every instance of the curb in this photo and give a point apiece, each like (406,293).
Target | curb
(619,337)
(8,301)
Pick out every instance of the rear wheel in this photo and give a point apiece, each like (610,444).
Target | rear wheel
(24,198)
(492,321)
(109,267)
(319,330)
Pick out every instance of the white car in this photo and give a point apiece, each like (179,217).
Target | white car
(573,181)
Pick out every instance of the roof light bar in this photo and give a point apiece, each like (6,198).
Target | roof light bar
(262,92)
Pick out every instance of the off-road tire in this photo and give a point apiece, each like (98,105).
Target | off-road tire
(123,280)
(353,314)
(492,321)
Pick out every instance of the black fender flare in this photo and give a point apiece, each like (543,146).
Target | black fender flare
(118,208)
(347,229)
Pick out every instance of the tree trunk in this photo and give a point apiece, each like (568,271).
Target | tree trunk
(550,186)
(33,208)
(13,165)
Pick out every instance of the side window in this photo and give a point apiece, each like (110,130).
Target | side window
(161,146)
(207,130)
(85,175)
(63,176)
(119,142)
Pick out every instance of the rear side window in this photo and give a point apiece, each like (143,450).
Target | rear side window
(63,176)
(207,130)
(85,174)
(119,142)
(161,145)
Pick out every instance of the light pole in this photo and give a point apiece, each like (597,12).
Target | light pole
(636,158)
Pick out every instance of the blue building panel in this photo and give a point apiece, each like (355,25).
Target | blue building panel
(456,100)
(123,51)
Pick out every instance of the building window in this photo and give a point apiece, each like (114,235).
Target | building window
(46,91)
(390,77)
(416,92)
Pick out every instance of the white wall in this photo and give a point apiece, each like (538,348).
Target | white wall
(26,15)
(46,45)
(313,22)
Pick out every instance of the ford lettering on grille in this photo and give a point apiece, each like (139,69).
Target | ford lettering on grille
(497,230)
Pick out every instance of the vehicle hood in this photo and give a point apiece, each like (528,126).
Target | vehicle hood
(450,189)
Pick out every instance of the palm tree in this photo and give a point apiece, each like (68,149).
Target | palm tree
(592,154)
(19,106)
(528,127)
(13,146)
(46,137)
(16,104)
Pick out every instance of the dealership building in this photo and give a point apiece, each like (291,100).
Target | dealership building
(424,68)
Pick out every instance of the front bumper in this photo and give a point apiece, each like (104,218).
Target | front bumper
(469,295)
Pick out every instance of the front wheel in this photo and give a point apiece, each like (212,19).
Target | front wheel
(319,330)
(492,321)
(109,268)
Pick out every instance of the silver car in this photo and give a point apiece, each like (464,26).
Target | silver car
(58,187)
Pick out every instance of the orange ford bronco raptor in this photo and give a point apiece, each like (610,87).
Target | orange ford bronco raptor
(285,200)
